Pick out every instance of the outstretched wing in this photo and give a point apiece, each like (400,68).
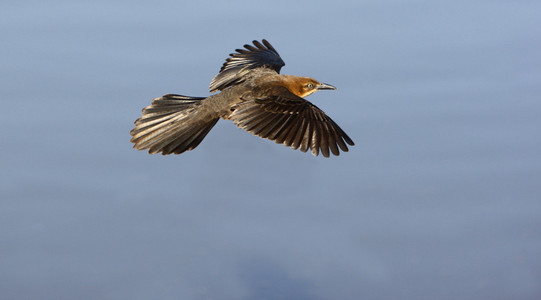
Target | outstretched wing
(262,55)
(292,121)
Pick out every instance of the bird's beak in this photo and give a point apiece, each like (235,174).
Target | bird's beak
(324,86)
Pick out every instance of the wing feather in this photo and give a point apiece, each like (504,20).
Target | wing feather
(287,119)
(261,55)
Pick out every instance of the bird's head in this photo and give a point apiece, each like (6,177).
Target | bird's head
(305,86)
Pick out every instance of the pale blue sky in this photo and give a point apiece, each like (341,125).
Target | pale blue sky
(439,199)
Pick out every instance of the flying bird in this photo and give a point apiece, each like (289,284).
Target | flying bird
(256,97)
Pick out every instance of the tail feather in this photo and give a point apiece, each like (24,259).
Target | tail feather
(171,124)
(189,140)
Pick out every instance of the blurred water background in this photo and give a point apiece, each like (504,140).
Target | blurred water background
(439,199)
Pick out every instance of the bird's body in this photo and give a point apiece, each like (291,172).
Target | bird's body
(255,97)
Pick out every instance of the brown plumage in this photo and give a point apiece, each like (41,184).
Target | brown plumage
(255,97)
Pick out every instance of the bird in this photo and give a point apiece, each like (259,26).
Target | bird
(253,95)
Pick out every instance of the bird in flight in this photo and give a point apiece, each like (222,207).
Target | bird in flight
(256,97)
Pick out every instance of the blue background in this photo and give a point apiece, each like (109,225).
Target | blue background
(439,199)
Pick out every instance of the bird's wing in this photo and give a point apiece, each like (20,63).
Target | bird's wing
(256,56)
(292,121)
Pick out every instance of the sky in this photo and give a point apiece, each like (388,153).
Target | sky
(438,199)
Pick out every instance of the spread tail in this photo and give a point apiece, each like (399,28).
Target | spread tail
(171,124)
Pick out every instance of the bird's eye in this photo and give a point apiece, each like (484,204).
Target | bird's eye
(310,86)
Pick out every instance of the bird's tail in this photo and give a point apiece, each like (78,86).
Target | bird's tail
(172,124)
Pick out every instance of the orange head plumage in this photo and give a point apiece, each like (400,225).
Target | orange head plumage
(303,86)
